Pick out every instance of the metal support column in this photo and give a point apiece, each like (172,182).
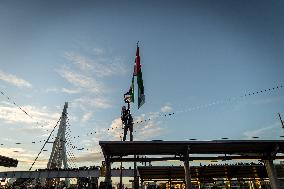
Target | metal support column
(108,171)
(120,177)
(135,180)
(187,169)
(271,172)
(142,187)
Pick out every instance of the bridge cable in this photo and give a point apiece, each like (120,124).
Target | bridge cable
(44,144)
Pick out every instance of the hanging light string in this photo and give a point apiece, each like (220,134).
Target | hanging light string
(70,153)
(70,145)
(72,156)
(138,122)
(28,114)
(232,99)
(24,111)
(10,100)
(44,144)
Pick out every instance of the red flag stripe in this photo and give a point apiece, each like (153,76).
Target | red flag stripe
(137,60)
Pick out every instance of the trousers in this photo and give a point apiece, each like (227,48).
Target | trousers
(126,128)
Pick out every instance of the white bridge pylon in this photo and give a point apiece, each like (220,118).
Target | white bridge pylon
(58,153)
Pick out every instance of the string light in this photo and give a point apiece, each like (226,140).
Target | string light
(45,144)
(210,104)
(160,115)
(21,109)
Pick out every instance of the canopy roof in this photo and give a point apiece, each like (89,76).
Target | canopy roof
(8,162)
(259,147)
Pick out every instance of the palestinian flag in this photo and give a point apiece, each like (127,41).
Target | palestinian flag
(138,73)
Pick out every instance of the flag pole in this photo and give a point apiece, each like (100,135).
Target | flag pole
(136,182)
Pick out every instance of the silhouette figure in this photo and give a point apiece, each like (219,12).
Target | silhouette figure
(127,121)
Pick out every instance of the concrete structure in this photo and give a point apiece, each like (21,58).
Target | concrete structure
(158,172)
(63,173)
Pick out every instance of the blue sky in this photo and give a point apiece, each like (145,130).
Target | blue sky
(193,53)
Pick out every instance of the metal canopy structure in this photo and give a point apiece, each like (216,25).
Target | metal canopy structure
(265,150)
(8,162)
(240,147)
(203,173)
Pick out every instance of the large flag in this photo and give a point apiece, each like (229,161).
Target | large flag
(138,73)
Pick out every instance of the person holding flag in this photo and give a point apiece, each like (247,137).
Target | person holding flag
(126,116)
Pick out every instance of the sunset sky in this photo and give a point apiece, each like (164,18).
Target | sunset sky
(198,59)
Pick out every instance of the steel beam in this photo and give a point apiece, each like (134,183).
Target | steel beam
(150,159)
(187,169)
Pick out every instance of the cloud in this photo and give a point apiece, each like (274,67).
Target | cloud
(29,130)
(14,80)
(86,102)
(264,100)
(90,157)
(142,131)
(116,67)
(166,108)
(80,80)
(87,116)
(268,100)
(98,51)
(149,130)
(63,90)
(87,85)
(82,62)
(271,131)
(13,115)
(92,152)
(99,65)
(52,89)
(115,130)
(71,91)
(86,73)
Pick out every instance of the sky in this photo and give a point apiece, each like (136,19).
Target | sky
(198,59)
